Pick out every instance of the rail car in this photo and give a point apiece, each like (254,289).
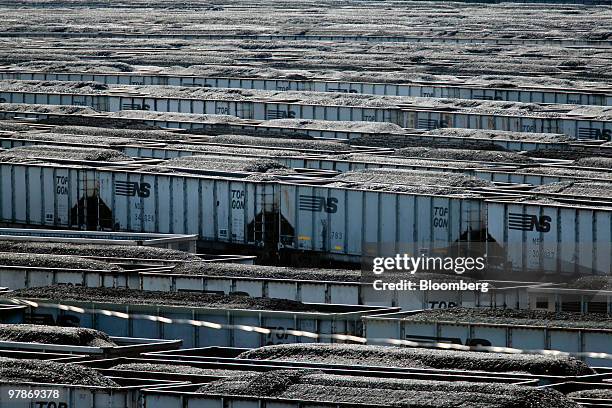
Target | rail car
(419,89)
(405,115)
(291,214)
(314,37)
(527,334)
(255,128)
(497,172)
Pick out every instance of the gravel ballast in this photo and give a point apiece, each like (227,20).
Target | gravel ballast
(53,261)
(123,296)
(106,251)
(71,336)
(382,356)
(309,386)
(514,317)
(13,371)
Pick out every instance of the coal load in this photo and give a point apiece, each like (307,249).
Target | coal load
(596,393)
(405,161)
(512,317)
(463,154)
(382,356)
(70,336)
(55,109)
(221,129)
(411,177)
(302,274)
(592,283)
(576,188)
(563,153)
(237,150)
(600,162)
(76,66)
(133,134)
(282,142)
(95,250)
(176,116)
(29,153)
(501,134)
(78,87)
(264,271)
(314,386)
(429,190)
(98,121)
(14,371)
(567,172)
(309,98)
(178,369)
(265,177)
(395,141)
(13,127)
(53,261)
(341,126)
(76,139)
(123,296)
(227,164)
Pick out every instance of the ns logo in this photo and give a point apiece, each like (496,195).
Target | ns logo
(132,189)
(527,222)
(318,204)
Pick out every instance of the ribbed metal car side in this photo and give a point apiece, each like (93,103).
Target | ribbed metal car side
(406,117)
(433,89)
(44,194)
(322,319)
(353,223)
(20,277)
(549,238)
(514,335)
(216,208)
